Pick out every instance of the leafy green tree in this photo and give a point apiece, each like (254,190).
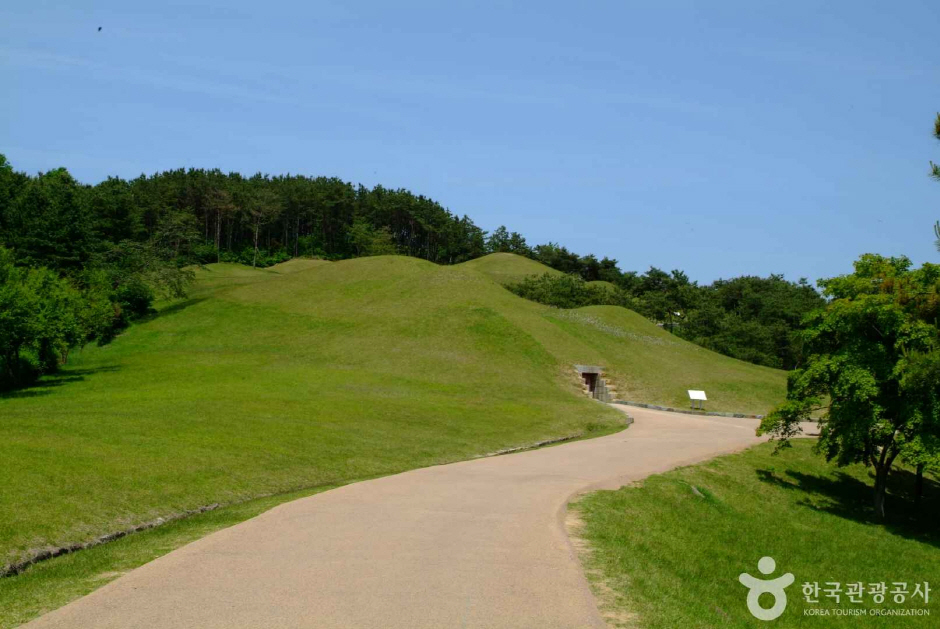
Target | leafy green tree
(361,235)
(751,318)
(590,268)
(222,206)
(609,272)
(42,316)
(558,258)
(498,241)
(263,207)
(176,233)
(502,241)
(18,325)
(870,356)
(49,223)
(369,241)
(135,274)
(382,243)
(919,384)
(59,320)
(935,173)
(111,203)
(935,168)
(10,184)
(666,297)
(100,314)
(567,291)
(465,240)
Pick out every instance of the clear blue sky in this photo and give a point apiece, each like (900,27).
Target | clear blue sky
(746,137)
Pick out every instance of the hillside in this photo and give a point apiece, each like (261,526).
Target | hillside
(311,373)
(641,543)
(602,284)
(508,268)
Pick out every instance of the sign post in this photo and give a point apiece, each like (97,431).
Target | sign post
(697,396)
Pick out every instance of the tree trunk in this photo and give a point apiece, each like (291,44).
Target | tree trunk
(881,486)
(254,259)
(218,236)
(8,366)
(12,362)
(919,484)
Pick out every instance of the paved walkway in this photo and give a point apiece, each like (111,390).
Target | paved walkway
(474,544)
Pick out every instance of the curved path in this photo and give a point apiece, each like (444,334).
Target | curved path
(474,544)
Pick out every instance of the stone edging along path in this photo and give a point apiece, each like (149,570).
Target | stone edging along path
(686,412)
(475,543)
(13,569)
(16,568)
(550,442)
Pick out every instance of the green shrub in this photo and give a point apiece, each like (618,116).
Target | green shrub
(204,254)
(265,257)
(569,291)
(42,317)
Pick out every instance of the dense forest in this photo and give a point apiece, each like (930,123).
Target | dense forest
(79,262)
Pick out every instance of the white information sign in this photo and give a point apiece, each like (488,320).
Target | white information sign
(697,396)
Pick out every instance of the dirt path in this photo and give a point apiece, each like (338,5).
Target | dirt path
(474,544)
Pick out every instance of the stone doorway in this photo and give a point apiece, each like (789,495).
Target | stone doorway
(594,384)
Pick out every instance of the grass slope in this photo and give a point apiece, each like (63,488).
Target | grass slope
(508,268)
(312,374)
(265,382)
(667,553)
(646,363)
(602,284)
(51,584)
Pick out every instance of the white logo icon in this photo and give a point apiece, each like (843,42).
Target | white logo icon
(771,586)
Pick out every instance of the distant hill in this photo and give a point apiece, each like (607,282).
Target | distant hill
(508,268)
(602,284)
(316,372)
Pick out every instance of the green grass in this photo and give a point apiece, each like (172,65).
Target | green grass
(312,373)
(51,584)
(667,553)
(602,284)
(508,268)
(646,363)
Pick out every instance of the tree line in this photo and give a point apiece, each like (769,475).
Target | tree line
(133,240)
(207,215)
(79,262)
(749,318)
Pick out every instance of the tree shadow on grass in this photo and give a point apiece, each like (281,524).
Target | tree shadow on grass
(48,384)
(167,311)
(849,497)
(174,308)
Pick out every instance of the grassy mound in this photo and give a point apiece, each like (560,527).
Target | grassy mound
(652,544)
(508,268)
(602,284)
(314,373)
(646,363)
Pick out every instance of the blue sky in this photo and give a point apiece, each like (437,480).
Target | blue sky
(719,138)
